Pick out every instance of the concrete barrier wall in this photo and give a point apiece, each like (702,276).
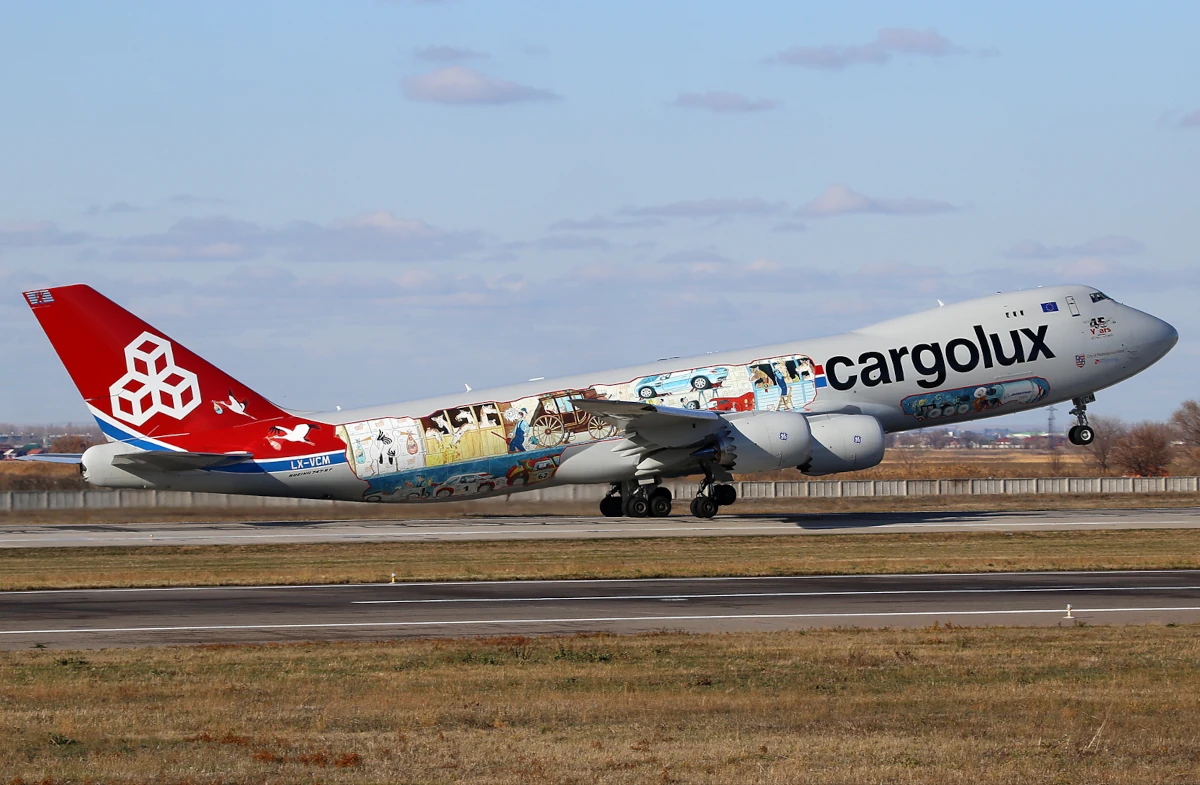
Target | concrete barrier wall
(16,501)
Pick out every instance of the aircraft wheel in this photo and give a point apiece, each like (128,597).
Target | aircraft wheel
(610,506)
(704,507)
(637,506)
(1083,435)
(660,503)
(724,495)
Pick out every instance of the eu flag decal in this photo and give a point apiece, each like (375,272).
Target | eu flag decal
(1049,307)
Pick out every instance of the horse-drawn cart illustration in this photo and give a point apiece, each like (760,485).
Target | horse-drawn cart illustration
(559,421)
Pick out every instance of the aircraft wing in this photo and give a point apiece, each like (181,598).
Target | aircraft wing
(626,413)
(171,461)
(650,429)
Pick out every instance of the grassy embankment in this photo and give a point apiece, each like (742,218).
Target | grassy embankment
(939,705)
(854,554)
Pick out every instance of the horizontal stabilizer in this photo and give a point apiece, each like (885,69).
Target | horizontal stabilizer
(53,457)
(171,461)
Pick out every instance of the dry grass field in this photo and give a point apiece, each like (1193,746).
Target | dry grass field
(938,705)
(32,476)
(851,554)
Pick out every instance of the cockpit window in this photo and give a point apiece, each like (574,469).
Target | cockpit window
(1098,296)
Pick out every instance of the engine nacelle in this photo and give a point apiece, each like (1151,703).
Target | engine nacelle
(764,441)
(843,443)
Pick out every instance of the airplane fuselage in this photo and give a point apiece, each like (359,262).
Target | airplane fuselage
(982,358)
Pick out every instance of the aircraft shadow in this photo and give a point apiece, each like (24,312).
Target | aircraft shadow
(866,520)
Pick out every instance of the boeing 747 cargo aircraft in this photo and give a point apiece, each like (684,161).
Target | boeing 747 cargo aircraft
(174,421)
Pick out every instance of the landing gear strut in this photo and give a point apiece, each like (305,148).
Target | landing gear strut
(711,496)
(1081,433)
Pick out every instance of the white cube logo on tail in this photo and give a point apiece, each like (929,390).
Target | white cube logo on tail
(153,383)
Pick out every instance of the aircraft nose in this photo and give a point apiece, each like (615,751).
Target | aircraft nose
(1155,337)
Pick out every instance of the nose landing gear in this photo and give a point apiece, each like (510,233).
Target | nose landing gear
(712,496)
(1081,434)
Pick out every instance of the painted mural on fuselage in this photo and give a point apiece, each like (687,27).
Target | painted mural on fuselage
(484,447)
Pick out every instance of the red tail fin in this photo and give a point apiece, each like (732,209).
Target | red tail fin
(135,379)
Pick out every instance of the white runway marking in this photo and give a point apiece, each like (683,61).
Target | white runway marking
(577,581)
(596,620)
(863,593)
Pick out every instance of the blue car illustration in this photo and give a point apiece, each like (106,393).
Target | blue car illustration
(681,381)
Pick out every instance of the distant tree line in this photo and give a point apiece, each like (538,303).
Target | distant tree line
(1147,448)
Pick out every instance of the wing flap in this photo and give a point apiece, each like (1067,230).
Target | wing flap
(625,412)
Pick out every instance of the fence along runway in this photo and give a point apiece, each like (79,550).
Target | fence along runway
(135,617)
(31,535)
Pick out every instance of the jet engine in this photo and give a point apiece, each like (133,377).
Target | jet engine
(762,441)
(843,443)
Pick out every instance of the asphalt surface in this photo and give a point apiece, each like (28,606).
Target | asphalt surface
(16,535)
(136,617)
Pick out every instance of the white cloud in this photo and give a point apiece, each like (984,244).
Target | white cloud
(697,260)
(373,237)
(1108,245)
(888,42)
(114,208)
(378,236)
(723,103)
(209,239)
(839,199)
(448,54)
(707,208)
(31,234)
(599,223)
(190,200)
(460,85)
(790,226)
(573,242)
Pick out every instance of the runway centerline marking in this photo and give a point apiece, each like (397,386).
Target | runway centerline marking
(860,593)
(595,620)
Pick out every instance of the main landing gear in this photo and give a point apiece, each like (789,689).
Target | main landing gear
(1081,433)
(654,501)
(636,501)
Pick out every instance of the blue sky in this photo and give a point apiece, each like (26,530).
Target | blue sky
(350,203)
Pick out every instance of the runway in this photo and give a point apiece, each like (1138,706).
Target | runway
(97,618)
(28,535)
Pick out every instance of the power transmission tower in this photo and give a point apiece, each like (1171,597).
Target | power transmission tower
(1051,417)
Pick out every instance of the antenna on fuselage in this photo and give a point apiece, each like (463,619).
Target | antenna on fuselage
(941,304)
(467,386)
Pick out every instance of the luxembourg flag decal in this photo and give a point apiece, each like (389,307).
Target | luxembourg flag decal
(819,376)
